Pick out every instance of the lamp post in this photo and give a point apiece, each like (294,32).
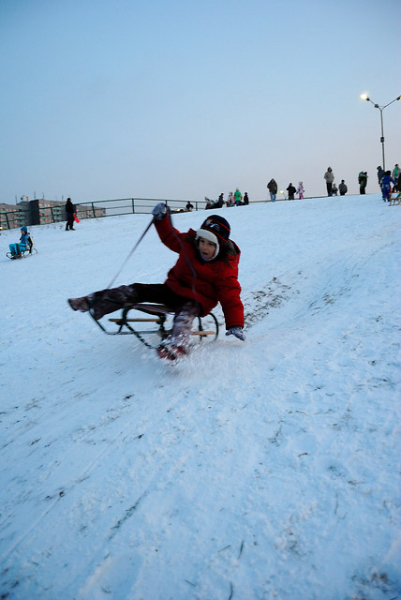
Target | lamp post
(381,108)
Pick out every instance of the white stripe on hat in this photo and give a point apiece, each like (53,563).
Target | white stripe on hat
(207,235)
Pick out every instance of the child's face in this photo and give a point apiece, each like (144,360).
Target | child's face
(206,249)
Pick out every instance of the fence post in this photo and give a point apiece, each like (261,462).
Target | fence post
(133,205)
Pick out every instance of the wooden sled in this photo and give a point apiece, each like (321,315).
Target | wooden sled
(396,200)
(157,325)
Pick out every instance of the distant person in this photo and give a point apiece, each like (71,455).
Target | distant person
(70,210)
(291,191)
(272,187)
(342,188)
(380,175)
(237,197)
(230,200)
(386,186)
(24,243)
(329,178)
(209,203)
(189,206)
(300,190)
(395,175)
(334,190)
(220,202)
(362,180)
(399,183)
(246,199)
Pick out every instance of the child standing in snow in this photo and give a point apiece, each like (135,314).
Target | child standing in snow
(205,273)
(342,188)
(386,186)
(23,244)
(300,190)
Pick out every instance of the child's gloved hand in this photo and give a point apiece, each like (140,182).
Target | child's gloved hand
(238,332)
(159,211)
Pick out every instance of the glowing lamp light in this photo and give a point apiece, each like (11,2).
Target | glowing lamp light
(365,96)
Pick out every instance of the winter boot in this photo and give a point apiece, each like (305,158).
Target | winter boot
(171,352)
(81,304)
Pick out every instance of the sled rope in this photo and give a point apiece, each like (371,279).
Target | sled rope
(130,254)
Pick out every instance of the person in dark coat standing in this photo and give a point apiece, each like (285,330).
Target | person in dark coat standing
(70,210)
(272,187)
(362,180)
(380,175)
(291,191)
(329,178)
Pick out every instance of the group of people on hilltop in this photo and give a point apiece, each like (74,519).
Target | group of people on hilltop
(342,189)
(331,187)
(235,199)
(385,180)
(292,190)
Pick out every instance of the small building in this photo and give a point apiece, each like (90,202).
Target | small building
(40,212)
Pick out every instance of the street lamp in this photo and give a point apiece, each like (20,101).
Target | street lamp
(381,108)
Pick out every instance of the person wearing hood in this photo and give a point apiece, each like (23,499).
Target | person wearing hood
(329,178)
(272,187)
(363,181)
(23,244)
(300,190)
(387,180)
(395,175)
(380,175)
(206,272)
(291,191)
(70,211)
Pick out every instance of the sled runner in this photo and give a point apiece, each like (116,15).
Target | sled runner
(156,326)
(396,200)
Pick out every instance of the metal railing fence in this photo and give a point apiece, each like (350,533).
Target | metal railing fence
(16,218)
(13,219)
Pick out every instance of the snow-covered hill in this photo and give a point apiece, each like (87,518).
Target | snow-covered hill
(264,469)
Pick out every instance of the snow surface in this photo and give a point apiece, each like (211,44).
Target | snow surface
(264,469)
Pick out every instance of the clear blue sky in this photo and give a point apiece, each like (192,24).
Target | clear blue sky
(185,99)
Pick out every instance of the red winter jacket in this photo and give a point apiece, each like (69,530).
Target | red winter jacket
(206,282)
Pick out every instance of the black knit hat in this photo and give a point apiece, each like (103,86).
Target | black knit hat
(218,226)
(215,229)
